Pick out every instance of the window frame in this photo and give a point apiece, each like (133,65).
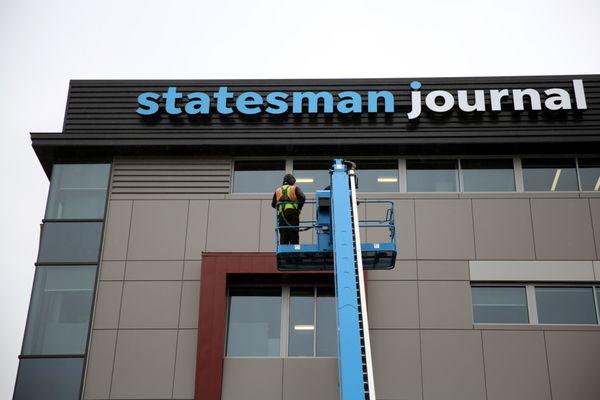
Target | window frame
(284,322)
(530,288)
(264,159)
(509,285)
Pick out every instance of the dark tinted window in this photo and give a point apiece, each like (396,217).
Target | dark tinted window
(49,379)
(60,310)
(326,322)
(565,305)
(549,174)
(500,305)
(589,174)
(488,175)
(70,242)
(302,322)
(254,326)
(312,175)
(257,176)
(78,191)
(431,175)
(377,176)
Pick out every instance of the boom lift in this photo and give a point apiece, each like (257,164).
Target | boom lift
(339,247)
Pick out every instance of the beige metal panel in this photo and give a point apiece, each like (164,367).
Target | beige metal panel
(310,378)
(444,229)
(267,226)
(233,225)
(397,364)
(158,230)
(306,237)
(191,270)
(563,229)
(452,365)
(597,270)
(574,362)
(392,304)
(144,364)
(185,364)
(595,209)
(445,305)
(100,364)
(536,271)
(405,227)
(150,305)
(503,229)
(117,230)
(252,379)
(446,270)
(196,229)
(190,304)
(515,366)
(112,270)
(403,270)
(108,304)
(154,270)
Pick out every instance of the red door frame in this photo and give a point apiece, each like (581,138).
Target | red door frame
(215,270)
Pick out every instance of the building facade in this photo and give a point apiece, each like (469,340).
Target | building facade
(156,274)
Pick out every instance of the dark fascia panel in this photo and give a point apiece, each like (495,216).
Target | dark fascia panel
(101,121)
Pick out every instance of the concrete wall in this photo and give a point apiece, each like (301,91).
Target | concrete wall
(425,345)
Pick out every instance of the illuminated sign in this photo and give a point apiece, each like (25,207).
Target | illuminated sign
(225,102)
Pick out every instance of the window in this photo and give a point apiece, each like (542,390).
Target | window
(60,309)
(500,305)
(550,304)
(312,322)
(589,174)
(49,379)
(312,175)
(257,176)
(70,242)
(78,191)
(488,175)
(565,305)
(431,175)
(377,176)
(255,327)
(549,174)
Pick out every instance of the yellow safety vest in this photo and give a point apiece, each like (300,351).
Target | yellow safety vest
(287,195)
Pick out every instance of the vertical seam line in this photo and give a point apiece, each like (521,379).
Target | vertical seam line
(112,375)
(589,201)
(187,223)
(483,361)
(532,229)
(547,363)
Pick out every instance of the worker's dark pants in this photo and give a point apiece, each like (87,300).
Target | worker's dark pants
(289,235)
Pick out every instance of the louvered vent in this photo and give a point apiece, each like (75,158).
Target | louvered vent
(203,176)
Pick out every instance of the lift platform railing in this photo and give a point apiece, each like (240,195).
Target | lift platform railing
(387,222)
(316,253)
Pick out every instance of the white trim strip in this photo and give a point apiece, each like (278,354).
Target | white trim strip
(532,271)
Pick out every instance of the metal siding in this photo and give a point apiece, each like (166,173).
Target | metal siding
(109,107)
(176,176)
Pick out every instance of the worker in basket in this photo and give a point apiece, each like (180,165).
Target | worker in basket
(288,200)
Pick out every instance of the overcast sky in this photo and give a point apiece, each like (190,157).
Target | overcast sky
(43,44)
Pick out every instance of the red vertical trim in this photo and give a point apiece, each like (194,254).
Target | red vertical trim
(211,321)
